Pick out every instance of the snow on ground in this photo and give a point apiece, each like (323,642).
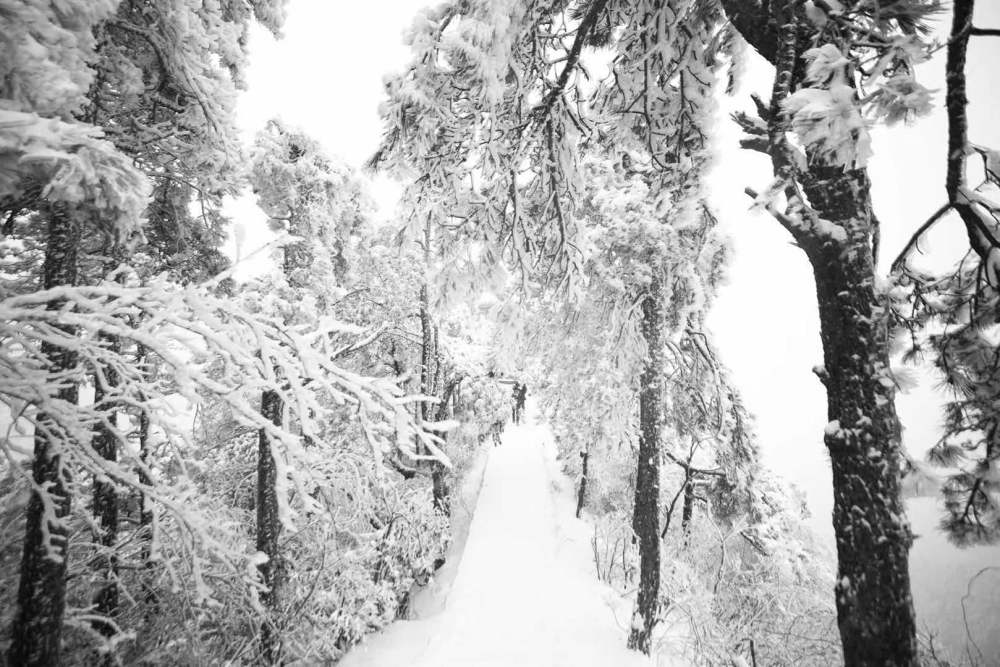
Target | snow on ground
(524,591)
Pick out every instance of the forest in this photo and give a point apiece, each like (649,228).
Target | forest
(488,423)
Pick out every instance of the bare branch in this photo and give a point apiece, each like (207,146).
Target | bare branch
(572,59)
(915,239)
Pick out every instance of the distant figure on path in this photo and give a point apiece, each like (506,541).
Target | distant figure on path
(520,392)
(513,408)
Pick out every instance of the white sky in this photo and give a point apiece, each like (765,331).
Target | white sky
(326,77)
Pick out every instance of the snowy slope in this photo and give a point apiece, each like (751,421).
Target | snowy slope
(524,593)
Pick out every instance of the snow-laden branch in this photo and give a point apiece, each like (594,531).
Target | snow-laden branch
(207,349)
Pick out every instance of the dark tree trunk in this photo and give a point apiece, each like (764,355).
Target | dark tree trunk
(957,99)
(646,516)
(426,354)
(687,509)
(106,498)
(145,504)
(427,342)
(441,490)
(426,351)
(874,605)
(439,474)
(581,495)
(982,236)
(36,635)
(430,367)
(269,528)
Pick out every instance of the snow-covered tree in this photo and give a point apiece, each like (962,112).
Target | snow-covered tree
(98,99)
(517,194)
(492,114)
(75,183)
(319,204)
(825,55)
(953,315)
(156,81)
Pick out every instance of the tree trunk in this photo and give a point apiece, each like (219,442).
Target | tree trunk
(41,598)
(106,498)
(581,495)
(687,509)
(441,490)
(269,528)
(439,485)
(646,516)
(982,237)
(427,346)
(145,505)
(874,605)
(439,474)
(426,351)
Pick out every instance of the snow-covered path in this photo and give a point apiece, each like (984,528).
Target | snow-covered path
(524,592)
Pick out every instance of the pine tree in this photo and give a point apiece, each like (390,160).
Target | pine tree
(116,96)
(964,301)
(815,52)
(305,196)
(41,596)
(63,172)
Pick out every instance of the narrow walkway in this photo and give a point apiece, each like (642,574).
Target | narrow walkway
(524,593)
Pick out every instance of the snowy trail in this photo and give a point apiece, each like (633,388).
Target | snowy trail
(524,592)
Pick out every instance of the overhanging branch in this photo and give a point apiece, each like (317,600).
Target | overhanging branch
(915,239)
(572,59)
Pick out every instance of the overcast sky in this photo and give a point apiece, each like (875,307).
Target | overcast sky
(326,77)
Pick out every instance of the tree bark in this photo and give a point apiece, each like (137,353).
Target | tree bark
(687,509)
(646,515)
(874,605)
(272,572)
(956,99)
(441,489)
(430,370)
(145,504)
(106,498)
(581,496)
(426,351)
(36,635)
(439,483)
(981,233)
(427,346)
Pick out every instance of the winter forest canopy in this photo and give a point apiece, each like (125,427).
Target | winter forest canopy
(255,410)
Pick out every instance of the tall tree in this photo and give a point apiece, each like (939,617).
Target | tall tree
(41,596)
(73,195)
(318,203)
(71,179)
(164,92)
(816,52)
